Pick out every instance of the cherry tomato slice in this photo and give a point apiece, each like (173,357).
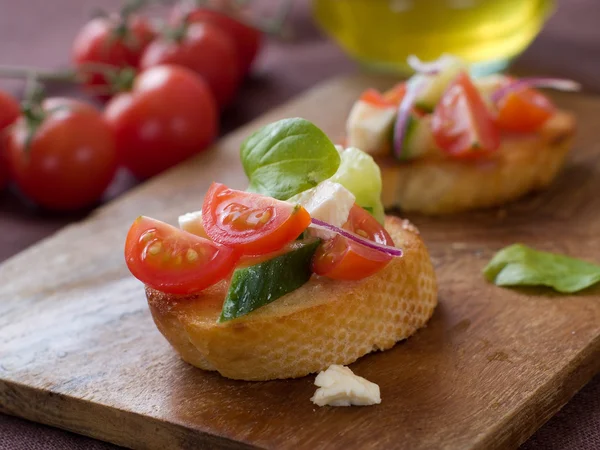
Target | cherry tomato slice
(461,123)
(395,94)
(344,259)
(523,111)
(251,223)
(391,98)
(173,261)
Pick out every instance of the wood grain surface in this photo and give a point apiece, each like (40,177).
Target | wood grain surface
(78,349)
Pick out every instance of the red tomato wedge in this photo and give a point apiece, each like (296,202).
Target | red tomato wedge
(390,98)
(251,223)
(523,111)
(461,123)
(174,261)
(343,259)
(395,94)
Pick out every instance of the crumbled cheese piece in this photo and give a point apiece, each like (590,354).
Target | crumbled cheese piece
(369,127)
(192,223)
(328,201)
(338,386)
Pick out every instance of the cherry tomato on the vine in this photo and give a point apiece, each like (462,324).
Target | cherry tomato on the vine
(205,49)
(248,40)
(68,161)
(168,116)
(110,41)
(9,113)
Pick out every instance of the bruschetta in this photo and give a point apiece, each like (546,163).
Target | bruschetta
(447,142)
(260,287)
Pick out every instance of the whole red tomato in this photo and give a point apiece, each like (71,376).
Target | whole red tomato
(248,40)
(9,112)
(68,161)
(113,41)
(168,116)
(205,49)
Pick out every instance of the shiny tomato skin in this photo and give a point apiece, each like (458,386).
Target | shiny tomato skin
(169,116)
(345,259)
(523,111)
(251,223)
(205,49)
(70,160)
(9,113)
(462,125)
(173,261)
(248,40)
(104,40)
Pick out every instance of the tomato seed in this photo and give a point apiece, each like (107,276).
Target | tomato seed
(155,249)
(191,255)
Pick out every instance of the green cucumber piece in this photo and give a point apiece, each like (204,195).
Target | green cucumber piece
(418,138)
(434,86)
(261,284)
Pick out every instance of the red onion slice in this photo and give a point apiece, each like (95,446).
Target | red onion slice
(431,67)
(560,84)
(393,251)
(404,110)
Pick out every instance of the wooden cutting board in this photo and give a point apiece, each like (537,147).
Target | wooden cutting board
(78,349)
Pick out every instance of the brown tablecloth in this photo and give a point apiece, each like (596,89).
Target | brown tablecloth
(39,33)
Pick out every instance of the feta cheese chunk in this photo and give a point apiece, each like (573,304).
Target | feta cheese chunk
(192,223)
(328,201)
(338,386)
(369,128)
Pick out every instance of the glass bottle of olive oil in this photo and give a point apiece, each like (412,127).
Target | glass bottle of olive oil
(383,33)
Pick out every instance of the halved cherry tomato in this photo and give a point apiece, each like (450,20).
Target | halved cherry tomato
(344,259)
(251,223)
(395,94)
(523,110)
(461,123)
(391,98)
(195,226)
(174,261)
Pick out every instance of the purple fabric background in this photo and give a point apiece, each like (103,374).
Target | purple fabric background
(39,33)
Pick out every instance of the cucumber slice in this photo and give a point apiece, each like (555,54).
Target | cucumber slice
(434,86)
(261,284)
(418,139)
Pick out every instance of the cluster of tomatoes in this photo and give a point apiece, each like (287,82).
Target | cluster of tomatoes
(164,91)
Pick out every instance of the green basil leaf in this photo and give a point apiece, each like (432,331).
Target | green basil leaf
(519,265)
(261,284)
(287,157)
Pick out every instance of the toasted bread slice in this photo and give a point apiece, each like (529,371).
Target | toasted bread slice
(322,323)
(436,184)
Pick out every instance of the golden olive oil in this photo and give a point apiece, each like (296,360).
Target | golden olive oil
(383,33)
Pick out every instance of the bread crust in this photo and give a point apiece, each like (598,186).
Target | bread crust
(322,323)
(436,184)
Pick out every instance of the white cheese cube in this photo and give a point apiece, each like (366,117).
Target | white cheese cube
(338,386)
(328,201)
(192,223)
(369,128)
